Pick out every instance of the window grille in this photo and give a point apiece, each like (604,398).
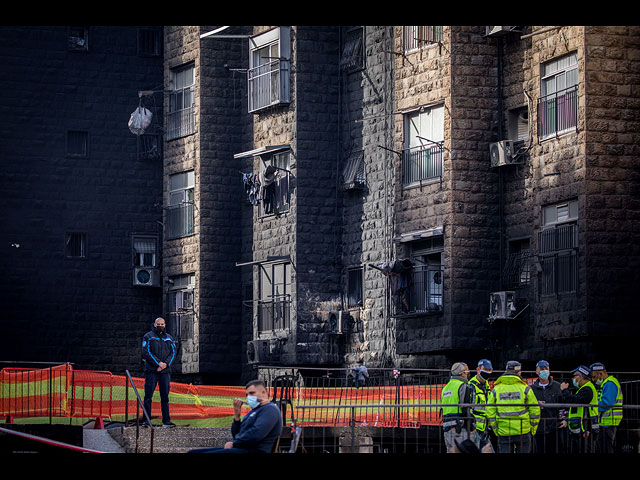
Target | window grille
(558,248)
(274,304)
(354,287)
(558,103)
(76,245)
(268,73)
(415,38)
(352,58)
(181,208)
(181,120)
(149,42)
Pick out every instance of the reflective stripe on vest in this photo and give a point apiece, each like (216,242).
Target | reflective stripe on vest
(518,412)
(613,416)
(578,414)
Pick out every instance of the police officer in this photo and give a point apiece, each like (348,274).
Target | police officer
(609,406)
(513,411)
(583,421)
(480,382)
(549,437)
(458,424)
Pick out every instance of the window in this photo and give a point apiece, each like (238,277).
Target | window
(145,250)
(428,272)
(354,287)
(517,270)
(274,304)
(180,210)
(180,304)
(352,58)
(181,116)
(558,249)
(415,38)
(558,104)
(78,39)
(274,179)
(149,42)
(76,245)
(268,75)
(77,144)
(424,138)
(353,174)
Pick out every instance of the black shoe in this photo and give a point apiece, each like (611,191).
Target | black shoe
(168,424)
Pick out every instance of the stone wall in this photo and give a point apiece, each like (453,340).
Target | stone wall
(80,310)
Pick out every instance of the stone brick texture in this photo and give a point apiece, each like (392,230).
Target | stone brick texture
(80,310)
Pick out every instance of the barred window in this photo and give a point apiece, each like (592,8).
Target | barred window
(415,38)
(558,104)
(181,115)
(558,249)
(180,209)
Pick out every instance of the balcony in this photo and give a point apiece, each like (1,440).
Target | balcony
(268,84)
(418,291)
(558,113)
(179,221)
(274,314)
(421,164)
(181,123)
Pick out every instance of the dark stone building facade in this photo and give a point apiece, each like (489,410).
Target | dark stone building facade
(427,195)
(81,195)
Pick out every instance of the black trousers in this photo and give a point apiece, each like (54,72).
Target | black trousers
(163,381)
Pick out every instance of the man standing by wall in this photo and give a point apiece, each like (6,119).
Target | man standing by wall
(158,353)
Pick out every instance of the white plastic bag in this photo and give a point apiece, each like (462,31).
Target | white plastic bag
(140,120)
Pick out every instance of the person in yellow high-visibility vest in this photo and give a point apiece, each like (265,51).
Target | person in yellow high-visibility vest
(609,405)
(583,420)
(458,424)
(480,382)
(513,411)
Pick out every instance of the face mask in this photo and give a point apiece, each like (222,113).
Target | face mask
(544,374)
(159,329)
(484,374)
(253,401)
(575,383)
(599,382)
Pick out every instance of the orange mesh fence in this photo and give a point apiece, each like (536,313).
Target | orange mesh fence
(63,392)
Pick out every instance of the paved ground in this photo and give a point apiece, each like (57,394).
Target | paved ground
(100,440)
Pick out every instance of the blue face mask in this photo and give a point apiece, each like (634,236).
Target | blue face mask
(575,383)
(544,374)
(253,401)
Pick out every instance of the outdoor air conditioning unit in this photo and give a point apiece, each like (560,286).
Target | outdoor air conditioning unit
(497,31)
(502,305)
(258,351)
(501,153)
(146,277)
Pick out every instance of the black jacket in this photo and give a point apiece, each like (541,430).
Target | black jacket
(158,348)
(549,394)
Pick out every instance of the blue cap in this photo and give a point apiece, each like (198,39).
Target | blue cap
(486,364)
(582,370)
(542,364)
(597,367)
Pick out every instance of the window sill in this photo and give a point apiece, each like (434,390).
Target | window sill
(424,183)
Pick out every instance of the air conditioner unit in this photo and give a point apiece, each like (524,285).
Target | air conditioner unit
(501,153)
(258,351)
(497,31)
(502,304)
(146,277)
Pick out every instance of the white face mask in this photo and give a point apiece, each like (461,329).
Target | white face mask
(253,401)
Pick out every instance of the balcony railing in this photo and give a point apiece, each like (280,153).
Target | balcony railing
(179,221)
(420,291)
(274,314)
(421,163)
(266,85)
(181,123)
(558,113)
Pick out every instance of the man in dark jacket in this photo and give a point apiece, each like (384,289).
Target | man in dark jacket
(552,430)
(260,429)
(158,353)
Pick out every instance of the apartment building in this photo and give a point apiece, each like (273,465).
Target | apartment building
(407,196)
(328,196)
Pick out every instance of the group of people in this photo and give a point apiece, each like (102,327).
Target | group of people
(508,415)
(257,432)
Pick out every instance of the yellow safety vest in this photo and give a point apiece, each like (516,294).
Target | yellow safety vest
(613,416)
(578,414)
(452,413)
(480,412)
(512,407)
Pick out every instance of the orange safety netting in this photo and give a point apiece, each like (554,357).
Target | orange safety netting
(61,391)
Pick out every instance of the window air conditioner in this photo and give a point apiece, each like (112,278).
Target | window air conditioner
(146,277)
(502,304)
(497,31)
(258,351)
(501,153)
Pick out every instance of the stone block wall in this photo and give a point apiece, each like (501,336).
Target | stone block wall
(80,310)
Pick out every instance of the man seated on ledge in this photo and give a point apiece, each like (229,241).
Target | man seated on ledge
(260,428)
